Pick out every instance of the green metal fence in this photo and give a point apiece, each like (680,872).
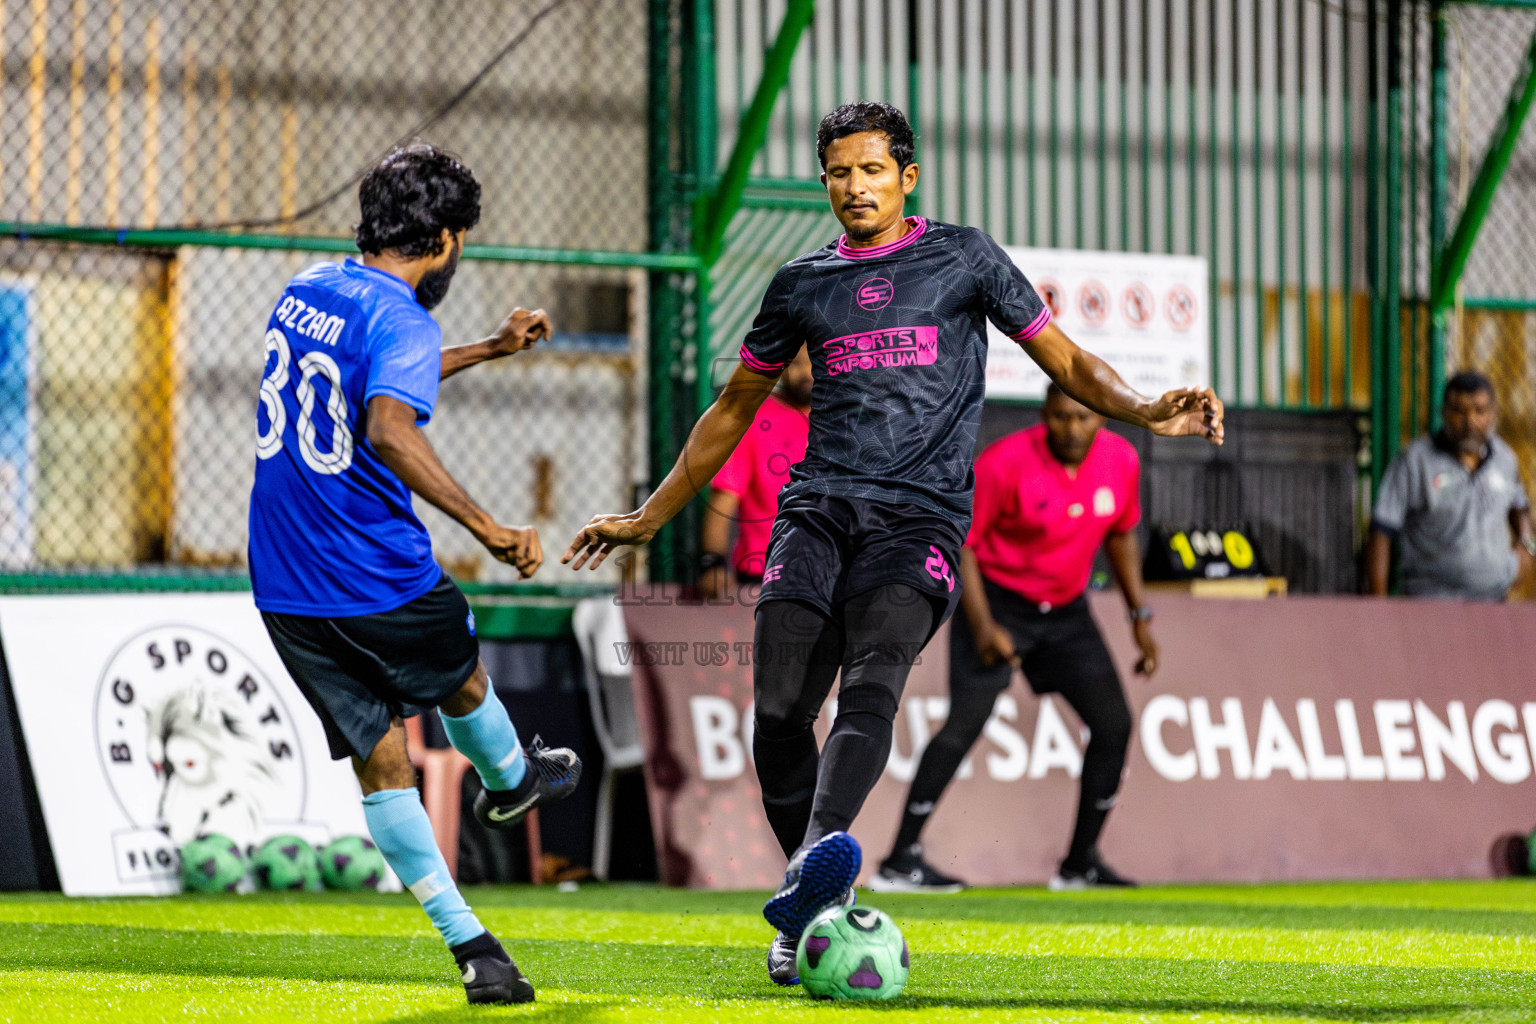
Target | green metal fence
(165,167)
(1353,171)
(1308,149)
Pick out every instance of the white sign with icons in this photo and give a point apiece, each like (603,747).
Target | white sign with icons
(1148,316)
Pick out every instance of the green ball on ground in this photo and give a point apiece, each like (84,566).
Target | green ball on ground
(352,863)
(853,953)
(212,863)
(286,862)
(1530,854)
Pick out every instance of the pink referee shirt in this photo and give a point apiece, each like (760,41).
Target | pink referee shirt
(1035,528)
(756,471)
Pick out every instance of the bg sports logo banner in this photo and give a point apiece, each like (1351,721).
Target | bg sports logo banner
(151,720)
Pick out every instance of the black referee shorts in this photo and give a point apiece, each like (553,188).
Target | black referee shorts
(361,672)
(1060,651)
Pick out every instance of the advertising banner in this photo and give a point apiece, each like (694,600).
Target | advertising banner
(1300,738)
(153,719)
(1145,315)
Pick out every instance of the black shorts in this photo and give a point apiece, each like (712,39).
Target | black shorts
(362,671)
(825,549)
(1060,650)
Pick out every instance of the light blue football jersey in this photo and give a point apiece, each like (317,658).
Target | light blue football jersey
(332,530)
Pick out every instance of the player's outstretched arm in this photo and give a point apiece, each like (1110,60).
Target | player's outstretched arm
(405,450)
(710,443)
(1195,412)
(518,331)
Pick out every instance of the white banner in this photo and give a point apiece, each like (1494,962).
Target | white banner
(1147,316)
(109,688)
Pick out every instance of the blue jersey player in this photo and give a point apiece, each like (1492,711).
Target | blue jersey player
(366,622)
(861,565)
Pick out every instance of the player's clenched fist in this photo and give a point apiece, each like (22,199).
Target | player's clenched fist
(598,538)
(518,546)
(520,330)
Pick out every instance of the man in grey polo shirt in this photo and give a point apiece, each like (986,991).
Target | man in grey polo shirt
(1455,504)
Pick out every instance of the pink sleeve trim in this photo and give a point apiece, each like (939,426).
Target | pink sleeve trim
(1035,327)
(757,364)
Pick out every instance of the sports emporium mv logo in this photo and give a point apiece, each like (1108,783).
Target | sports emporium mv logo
(193,739)
(876,293)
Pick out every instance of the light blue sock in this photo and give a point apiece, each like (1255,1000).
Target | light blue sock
(400,827)
(487,738)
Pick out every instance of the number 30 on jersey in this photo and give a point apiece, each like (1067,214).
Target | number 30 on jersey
(314,364)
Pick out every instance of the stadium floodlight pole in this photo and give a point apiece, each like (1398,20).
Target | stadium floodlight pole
(715,210)
(1500,149)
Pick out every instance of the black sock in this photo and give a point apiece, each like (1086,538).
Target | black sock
(1109,736)
(855,755)
(884,629)
(800,649)
(484,944)
(786,772)
(968,714)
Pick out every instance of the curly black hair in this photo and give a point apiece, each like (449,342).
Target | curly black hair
(410,196)
(853,118)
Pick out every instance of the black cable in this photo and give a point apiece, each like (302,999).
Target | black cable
(432,119)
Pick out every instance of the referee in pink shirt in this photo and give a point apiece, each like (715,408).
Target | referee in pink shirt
(746,490)
(1046,498)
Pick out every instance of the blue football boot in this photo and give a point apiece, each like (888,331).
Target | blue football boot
(817,878)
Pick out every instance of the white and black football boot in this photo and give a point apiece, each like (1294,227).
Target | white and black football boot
(488,973)
(1093,874)
(907,871)
(552,775)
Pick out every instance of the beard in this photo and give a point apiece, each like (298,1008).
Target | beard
(861,232)
(433,286)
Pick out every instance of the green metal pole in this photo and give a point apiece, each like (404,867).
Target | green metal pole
(1411,146)
(717,209)
(1480,198)
(664,299)
(1392,225)
(1346,100)
(1236,192)
(704,119)
(1212,158)
(1284,383)
(914,106)
(1325,168)
(171,238)
(1439,203)
(1373,247)
(1261,357)
(1303,165)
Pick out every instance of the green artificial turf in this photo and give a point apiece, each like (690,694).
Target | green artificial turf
(1434,951)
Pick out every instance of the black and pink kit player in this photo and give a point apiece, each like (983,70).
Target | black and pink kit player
(862,567)
(862,564)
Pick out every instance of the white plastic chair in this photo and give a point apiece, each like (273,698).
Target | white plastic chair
(598,623)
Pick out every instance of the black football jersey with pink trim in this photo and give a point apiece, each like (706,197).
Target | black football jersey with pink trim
(899,345)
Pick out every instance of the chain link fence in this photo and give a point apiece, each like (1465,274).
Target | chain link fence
(1493,324)
(128,374)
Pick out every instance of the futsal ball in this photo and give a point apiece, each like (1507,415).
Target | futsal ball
(352,862)
(212,863)
(286,862)
(853,953)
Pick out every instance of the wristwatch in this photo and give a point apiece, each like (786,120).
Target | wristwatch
(1141,613)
